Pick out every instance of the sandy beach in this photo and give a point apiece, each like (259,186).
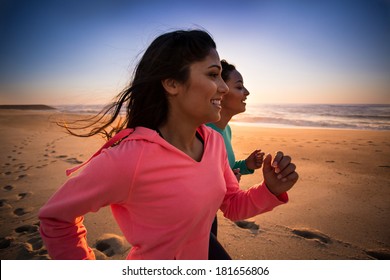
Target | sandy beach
(339,209)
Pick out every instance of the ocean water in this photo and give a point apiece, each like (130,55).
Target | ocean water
(351,116)
(361,117)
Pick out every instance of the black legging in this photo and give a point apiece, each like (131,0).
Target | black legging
(216,251)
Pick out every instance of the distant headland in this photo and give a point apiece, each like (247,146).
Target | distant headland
(27,107)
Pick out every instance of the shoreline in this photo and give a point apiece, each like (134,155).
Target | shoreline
(339,208)
(82,115)
(310,116)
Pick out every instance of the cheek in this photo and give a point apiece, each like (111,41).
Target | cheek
(197,97)
(203,89)
(231,99)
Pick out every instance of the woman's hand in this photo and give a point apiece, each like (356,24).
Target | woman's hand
(237,174)
(255,160)
(279,174)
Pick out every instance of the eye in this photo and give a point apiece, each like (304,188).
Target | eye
(214,75)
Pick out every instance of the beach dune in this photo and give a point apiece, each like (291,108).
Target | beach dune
(339,209)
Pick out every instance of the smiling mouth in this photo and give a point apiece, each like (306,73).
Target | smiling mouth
(216,102)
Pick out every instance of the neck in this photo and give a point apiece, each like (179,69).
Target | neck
(177,135)
(225,119)
(183,136)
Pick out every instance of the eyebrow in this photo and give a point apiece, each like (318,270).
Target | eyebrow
(215,65)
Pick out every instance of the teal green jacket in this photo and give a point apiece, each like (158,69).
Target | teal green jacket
(227,137)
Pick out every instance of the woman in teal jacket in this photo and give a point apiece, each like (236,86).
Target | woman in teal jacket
(232,103)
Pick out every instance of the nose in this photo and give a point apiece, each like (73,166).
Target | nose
(223,87)
(246,92)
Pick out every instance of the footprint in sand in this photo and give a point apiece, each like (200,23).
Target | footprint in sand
(21,176)
(73,161)
(247,225)
(111,244)
(41,166)
(313,234)
(70,160)
(8,187)
(36,242)
(62,156)
(24,251)
(380,254)
(29,243)
(27,229)
(21,211)
(4,204)
(27,168)
(24,195)
(5,242)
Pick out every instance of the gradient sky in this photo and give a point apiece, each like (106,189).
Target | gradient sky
(289,51)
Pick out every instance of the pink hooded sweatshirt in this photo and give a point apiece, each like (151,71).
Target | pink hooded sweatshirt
(163,201)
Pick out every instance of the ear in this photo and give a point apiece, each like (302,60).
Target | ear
(171,86)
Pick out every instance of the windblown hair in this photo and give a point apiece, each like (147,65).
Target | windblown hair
(168,56)
(227,68)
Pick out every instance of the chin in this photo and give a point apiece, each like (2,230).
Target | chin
(240,111)
(214,118)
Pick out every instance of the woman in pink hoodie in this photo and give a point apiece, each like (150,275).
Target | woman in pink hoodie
(163,173)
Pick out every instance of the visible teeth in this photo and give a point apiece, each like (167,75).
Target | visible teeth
(216,102)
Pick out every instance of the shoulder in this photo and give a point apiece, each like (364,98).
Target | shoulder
(210,135)
(132,145)
(208,132)
(228,129)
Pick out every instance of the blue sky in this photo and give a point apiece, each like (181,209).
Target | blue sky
(293,51)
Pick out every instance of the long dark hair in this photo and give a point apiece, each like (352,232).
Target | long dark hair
(168,56)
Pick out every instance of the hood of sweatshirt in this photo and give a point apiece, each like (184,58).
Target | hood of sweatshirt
(140,133)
